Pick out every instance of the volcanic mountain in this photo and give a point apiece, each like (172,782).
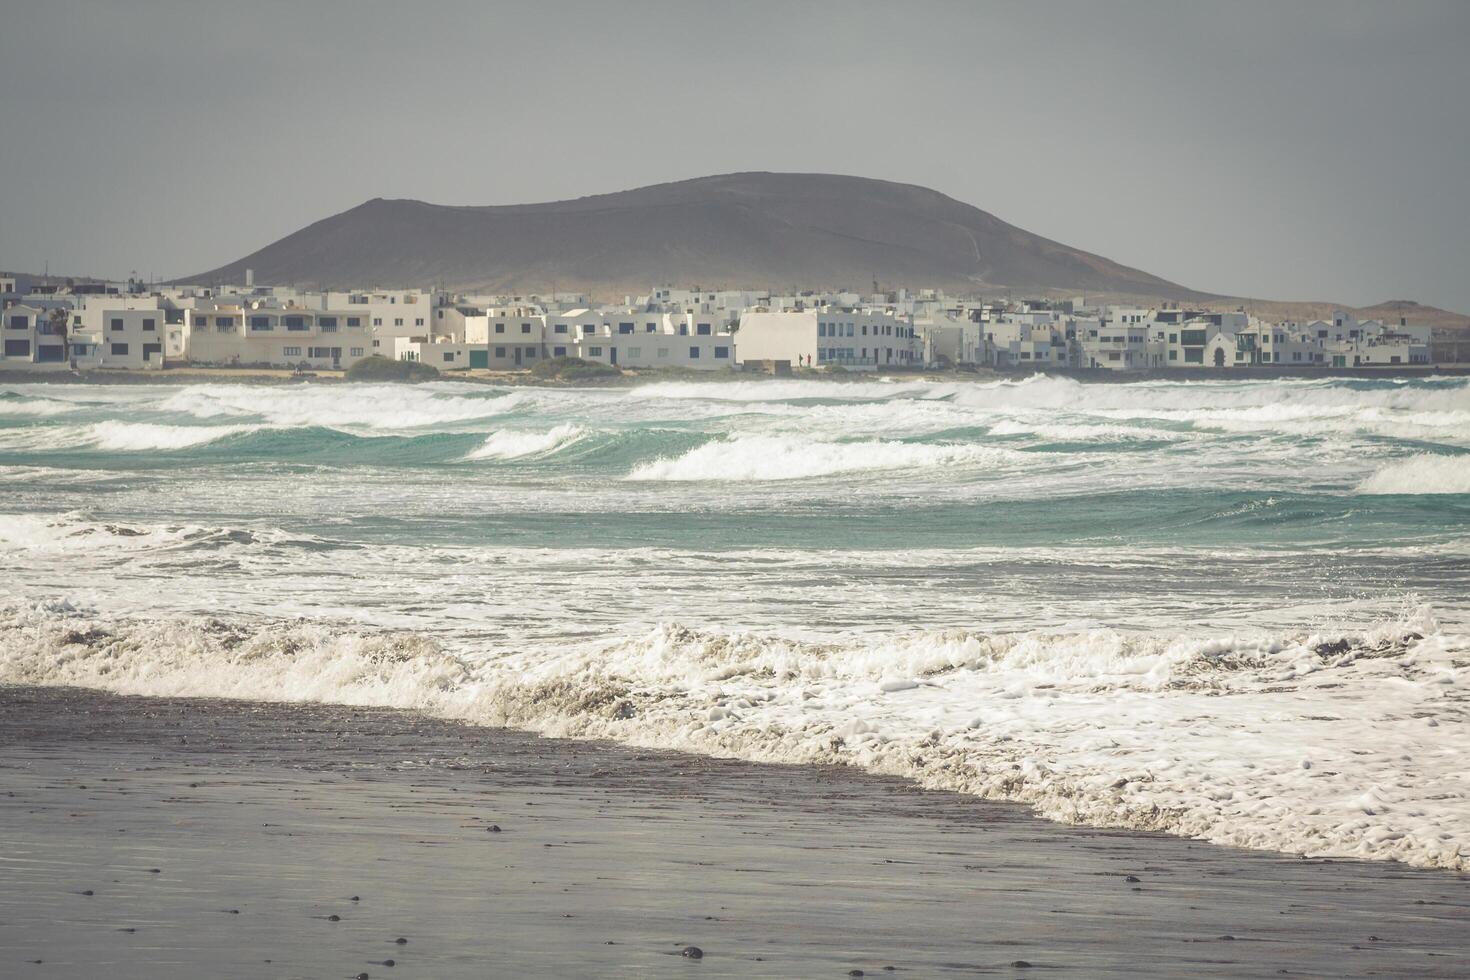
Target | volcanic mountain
(737,230)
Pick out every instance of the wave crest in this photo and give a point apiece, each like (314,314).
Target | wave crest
(1425,473)
(753,458)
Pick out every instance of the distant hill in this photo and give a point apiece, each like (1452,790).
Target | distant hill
(732,231)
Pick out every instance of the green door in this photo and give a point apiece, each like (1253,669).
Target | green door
(480,358)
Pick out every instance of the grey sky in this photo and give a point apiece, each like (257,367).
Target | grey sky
(1288,150)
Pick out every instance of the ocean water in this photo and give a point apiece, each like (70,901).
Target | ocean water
(1233,610)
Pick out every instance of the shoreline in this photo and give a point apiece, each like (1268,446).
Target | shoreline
(265,819)
(272,376)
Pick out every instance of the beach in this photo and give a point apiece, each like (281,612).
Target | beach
(176,837)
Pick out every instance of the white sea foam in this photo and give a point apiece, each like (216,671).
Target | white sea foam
(759,458)
(43,407)
(1316,744)
(1066,432)
(144,436)
(344,406)
(513,444)
(1425,473)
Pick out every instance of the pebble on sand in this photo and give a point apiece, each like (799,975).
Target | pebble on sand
(1133,879)
(401,941)
(855,973)
(1020,964)
(692,952)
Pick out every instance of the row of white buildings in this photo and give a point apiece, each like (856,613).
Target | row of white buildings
(93,326)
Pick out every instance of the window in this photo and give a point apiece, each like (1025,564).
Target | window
(821,330)
(203,321)
(663,352)
(327,322)
(594,351)
(1192,338)
(377,321)
(354,321)
(398,321)
(1173,355)
(150,324)
(722,352)
(290,351)
(355,352)
(116,324)
(418,321)
(1194,356)
(650,328)
(121,350)
(694,353)
(588,328)
(555,352)
(295,323)
(625,328)
(500,352)
(559,328)
(525,328)
(702,329)
(19,348)
(500,328)
(635,352)
(449,355)
(260,323)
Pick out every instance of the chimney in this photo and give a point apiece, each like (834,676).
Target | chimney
(249,277)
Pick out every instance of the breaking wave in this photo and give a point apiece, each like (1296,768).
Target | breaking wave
(512,444)
(1425,473)
(760,458)
(1232,739)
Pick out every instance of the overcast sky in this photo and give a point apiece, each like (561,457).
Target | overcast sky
(1284,150)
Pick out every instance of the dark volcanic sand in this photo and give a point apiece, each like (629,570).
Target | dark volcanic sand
(264,821)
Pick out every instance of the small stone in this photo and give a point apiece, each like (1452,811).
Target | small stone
(855,973)
(334,918)
(362,976)
(692,952)
(88,893)
(1020,964)
(155,871)
(401,941)
(354,898)
(494,828)
(1133,879)
(1228,938)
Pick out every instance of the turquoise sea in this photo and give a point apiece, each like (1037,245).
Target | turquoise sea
(1245,600)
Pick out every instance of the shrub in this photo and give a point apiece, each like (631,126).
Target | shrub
(573,369)
(378,368)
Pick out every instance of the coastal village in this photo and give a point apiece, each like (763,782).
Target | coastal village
(65,326)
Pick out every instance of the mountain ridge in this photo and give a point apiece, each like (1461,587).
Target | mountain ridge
(751,229)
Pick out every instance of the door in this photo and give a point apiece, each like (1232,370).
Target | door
(518,357)
(480,358)
(612,352)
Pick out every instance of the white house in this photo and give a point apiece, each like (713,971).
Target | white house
(846,337)
(276,336)
(28,337)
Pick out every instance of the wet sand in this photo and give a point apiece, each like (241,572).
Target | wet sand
(146,837)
